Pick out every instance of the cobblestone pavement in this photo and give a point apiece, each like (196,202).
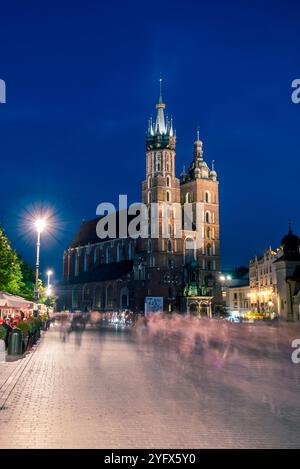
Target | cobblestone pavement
(105,390)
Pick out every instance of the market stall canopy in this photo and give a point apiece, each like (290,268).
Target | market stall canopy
(10,301)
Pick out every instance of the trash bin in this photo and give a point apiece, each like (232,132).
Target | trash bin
(2,350)
(15,342)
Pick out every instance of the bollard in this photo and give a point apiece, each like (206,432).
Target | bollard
(15,342)
(2,351)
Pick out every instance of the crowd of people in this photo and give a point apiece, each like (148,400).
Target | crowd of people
(29,325)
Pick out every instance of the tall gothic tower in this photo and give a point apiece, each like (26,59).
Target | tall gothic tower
(161,187)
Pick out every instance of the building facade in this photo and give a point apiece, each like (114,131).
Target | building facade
(238,297)
(178,260)
(262,281)
(274,283)
(287,269)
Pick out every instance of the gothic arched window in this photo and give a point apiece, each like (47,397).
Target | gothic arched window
(207,197)
(189,250)
(168,196)
(158,162)
(109,296)
(107,255)
(189,197)
(168,181)
(76,267)
(97,297)
(85,262)
(130,251)
(118,253)
(207,217)
(96,255)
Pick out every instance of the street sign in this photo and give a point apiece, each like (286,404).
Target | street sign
(154,304)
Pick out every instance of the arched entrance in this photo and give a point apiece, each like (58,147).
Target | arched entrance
(194,309)
(124,298)
(204,310)
(199,306)
(97,297)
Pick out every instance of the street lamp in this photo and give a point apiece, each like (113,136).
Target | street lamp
(40,225)
(49,275)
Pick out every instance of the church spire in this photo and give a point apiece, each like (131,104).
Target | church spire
(160,132)
(198,144)
(160,125)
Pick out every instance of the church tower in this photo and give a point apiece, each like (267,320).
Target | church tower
(161,184)
(200,191)
(162,188)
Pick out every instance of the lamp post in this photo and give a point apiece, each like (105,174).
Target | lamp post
(40,225)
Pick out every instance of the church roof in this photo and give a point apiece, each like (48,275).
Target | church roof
(291,247)
(87,232)
(296,275)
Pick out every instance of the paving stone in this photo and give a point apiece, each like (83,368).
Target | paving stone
(105,390)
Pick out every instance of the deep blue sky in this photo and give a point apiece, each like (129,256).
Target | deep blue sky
(82,80)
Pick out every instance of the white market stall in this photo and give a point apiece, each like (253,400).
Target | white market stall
(11,304)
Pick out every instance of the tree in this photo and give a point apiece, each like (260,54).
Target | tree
(10,267)
(28,276)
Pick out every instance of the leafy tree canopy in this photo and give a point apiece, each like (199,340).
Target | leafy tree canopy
(11,278)
(16,275)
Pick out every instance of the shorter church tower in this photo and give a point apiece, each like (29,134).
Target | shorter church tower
(200,192)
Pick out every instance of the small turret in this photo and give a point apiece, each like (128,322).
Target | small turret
(212,174)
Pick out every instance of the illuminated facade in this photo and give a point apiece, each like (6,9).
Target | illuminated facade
(120,273)
(238,298)
(274,280)
(262,281)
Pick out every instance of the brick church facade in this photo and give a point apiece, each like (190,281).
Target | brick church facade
(119,273)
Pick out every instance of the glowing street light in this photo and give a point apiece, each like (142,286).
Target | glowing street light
(40,225)
(49,275)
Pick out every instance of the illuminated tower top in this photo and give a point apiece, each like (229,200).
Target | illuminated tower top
(160,134)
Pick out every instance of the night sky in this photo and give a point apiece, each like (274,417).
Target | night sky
(82,79)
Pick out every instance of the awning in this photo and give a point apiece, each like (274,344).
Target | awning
(10,301)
